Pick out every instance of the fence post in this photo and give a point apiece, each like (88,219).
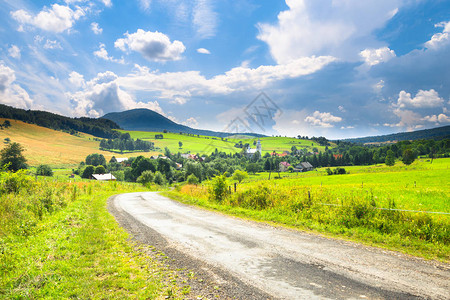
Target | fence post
(235,185)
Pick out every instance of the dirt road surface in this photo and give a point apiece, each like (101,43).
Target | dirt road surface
(249,260)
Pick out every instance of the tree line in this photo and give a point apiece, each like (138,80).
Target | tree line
(125,142)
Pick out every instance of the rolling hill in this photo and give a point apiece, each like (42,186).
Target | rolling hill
(142,119)
(426,134)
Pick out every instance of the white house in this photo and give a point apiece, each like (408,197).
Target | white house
(104,177)
(250,152)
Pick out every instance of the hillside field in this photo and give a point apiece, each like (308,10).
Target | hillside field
(206,144)
(56,148)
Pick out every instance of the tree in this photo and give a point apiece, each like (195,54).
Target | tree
(12,155)
(159,178)
(390,158)
(100,170)
(88,171)
(408,157)
(95,159)
(6,124)
(253,168)
(239,175)
(294,150)
(219,188)
(44,170)
(180,144)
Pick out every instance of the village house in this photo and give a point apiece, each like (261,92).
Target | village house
(104,177)
(303,167)
(284,166)
(250,152)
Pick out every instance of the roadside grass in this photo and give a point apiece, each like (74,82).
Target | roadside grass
(57,240)
(345,206)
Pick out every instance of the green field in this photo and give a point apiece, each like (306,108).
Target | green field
(206,144)
(349,205)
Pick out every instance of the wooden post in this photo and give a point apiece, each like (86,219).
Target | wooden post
(235,185)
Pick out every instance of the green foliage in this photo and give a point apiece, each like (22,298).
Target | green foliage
(146,177)
(100,170)
(95,159)
(219,188)
(88,171)
(240,175)
(253,168)
(180,144)
(192,179)
(44,170)
(336,171)
(390,159)
(12,156)
(159,178)
(408,157)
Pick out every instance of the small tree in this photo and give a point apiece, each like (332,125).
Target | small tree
(159,178)
(408,157)
(180,144)
(146,177)
(390,159)
(240,175)
(88,171)
(12,155)
(192,179)
(219,188)
(44,170)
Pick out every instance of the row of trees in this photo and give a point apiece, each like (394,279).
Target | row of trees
(126,145)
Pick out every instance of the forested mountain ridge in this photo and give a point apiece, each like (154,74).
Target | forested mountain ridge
(439,133)
(97,127)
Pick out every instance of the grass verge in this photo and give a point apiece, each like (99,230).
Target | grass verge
(77,250)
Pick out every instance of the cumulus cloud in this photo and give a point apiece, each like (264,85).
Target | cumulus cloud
(375,56)
(191,122)
(325,27)
(423,99)
(440,38)
(204,19)
(152,45)
(57,19)
(203,51)
(77,79)
(103,54)
(96,28)
(11,93)
(14,51)
(438,119)
(103,94)
(322,119)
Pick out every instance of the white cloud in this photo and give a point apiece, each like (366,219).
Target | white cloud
(341,108)
(103,54)
(57,19)
(322,119)
(107,3)
(152,45)
(441,38)
(102,95)
(338,28)
(77,79)
(423,99)
(183,85)
(49,44)
(145,4)
(375,56)
(11,93)
(204,19)
(203,51)
(191,122)
(96,28)
(438,119)
(14,51)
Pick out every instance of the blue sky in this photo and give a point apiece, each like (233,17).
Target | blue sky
(334,68)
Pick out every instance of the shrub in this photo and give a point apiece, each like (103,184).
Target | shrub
(146,177)
(100,170)
(192,179)
(219,188)
(44,170)
(87,172)
(240,175)
(159,178)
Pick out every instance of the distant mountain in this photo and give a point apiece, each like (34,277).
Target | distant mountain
(142,119)
(439,133)
(97,127)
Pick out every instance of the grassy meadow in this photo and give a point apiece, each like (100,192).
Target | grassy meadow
(206,144)
(347,206)
(57,240)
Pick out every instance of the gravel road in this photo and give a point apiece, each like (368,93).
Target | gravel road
(250,260)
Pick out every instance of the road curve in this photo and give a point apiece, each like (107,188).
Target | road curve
(283,263)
